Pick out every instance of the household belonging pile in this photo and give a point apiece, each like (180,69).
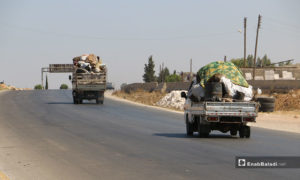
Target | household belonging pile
(220,81)
(88,63)
(172,100)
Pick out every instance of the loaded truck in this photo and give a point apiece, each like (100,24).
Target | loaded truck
(88,84)
(219,99)
(205,116)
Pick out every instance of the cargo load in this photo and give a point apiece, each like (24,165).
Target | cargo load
(220,81)
(89,78)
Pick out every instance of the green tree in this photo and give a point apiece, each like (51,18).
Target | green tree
(149,75)
(239,62)
(264,61)
(173,78)
(63,86)
(260,62)
(38,87)
(46,86)
(163,74)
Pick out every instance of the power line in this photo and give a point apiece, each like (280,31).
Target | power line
(62,34)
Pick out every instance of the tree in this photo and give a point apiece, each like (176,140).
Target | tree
(173,78)
(149,75)
(63,86)
(46,86)
(260,62)
(163,74)
(264,61)
(38,87)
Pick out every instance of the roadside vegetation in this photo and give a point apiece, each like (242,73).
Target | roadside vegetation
(163,74)
(141,96)
(63,86)
(38,87)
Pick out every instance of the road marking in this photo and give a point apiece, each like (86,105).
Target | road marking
(3,176)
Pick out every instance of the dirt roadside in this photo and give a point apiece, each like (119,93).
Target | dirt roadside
(288,121)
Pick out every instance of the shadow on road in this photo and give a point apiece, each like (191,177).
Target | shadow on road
(84,103)
(182,135)
(59,103)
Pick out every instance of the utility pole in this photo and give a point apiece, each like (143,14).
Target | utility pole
(42,83)
(245,26)
(258,27)
(163,72)
(191,69)
(160,73)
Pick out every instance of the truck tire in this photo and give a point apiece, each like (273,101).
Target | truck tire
(233,132)
(100,98)
(75,101)
(244,132)
(99,101)
(247,131)
(265,99)
(189,127)
(203,131)
(266,107)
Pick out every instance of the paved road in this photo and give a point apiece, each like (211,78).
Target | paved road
(44,136)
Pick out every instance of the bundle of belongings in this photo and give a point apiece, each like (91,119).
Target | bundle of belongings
(89,63)
(220,81)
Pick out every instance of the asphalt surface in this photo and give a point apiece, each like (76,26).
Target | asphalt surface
(44,136)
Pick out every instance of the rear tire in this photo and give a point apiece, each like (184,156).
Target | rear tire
(265,99)
(242,132)
(75,101)
(267,107)
(202,131)
(233,132)
(245,132)
(100,98)
(189,128)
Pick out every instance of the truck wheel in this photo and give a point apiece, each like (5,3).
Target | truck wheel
(233,132)
(189,128)
(99,101)
(265,99)
(242,131)
(75,100)
(267,107)
(247,132)
(203,131)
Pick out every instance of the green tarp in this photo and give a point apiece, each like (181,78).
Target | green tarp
(228,69)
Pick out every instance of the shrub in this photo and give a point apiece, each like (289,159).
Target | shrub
(38,87)
(63,86)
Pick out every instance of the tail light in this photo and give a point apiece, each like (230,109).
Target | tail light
(212,118)
(248,119)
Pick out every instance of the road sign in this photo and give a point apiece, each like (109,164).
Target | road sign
(61,68)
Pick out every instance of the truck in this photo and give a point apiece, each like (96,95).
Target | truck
(87,85)
(206,116)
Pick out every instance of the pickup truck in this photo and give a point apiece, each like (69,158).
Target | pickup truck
(88,86)
(205,116)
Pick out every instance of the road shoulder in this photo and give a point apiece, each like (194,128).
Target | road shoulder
(280,121)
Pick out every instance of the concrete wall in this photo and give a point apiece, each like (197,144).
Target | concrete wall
(167,87)
(135,86)
(276,85)
(272,73)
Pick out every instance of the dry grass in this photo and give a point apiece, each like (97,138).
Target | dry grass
(287,102)
(7,87)
(141,96)
(284,101)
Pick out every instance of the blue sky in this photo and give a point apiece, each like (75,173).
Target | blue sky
(34,34)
